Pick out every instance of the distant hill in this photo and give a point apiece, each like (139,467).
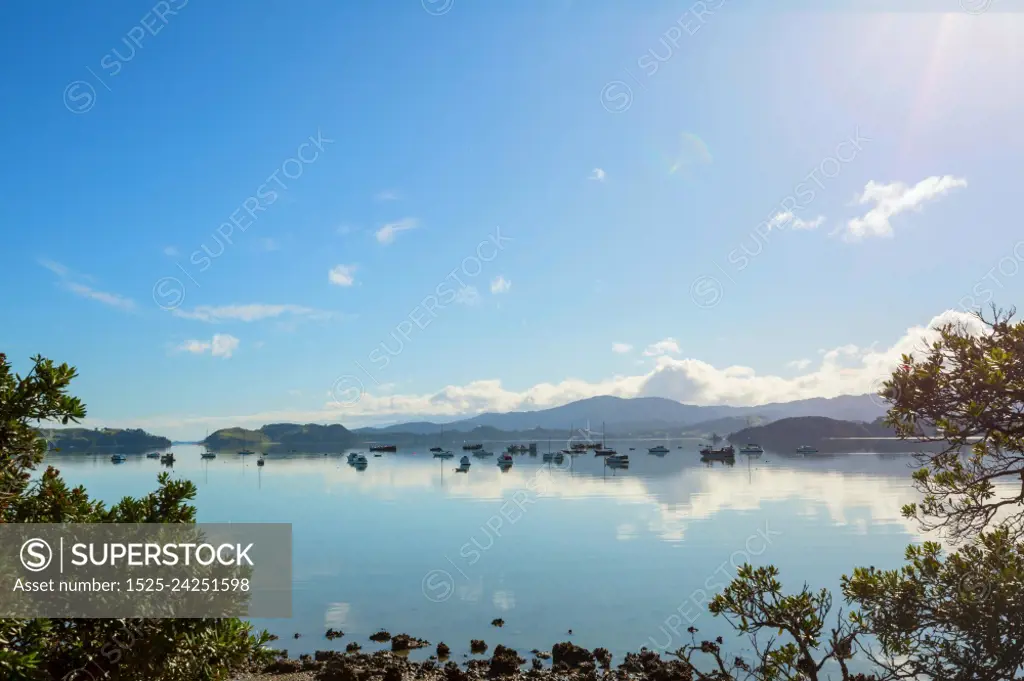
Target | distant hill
(103,440)
(825,434)
(644,414)
(310,437)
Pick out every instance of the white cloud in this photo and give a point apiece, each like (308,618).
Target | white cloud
(67,282)
(500,285)
(845,370)
(249,313)
(799,364)
(893,199)
(170,251)
(387,195)
(55,267)
(221,345)
(112,299)
(786,219)
(621,348)
(597,174)
(342,275)
(467,295)
(663,347)
(386,234)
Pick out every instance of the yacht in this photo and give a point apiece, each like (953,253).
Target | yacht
(722,454)
(659,449)
(618,460)
(167,458)
(261,461)
(482,452)
(752,449)
(806,449)
(153,455)
(471,448)
(443,455)
(118,458)
(383,448)
(464,464)
(357,459)
(207,454)
(436,449)
(505,459)
(352,456)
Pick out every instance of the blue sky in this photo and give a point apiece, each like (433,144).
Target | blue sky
(631,158)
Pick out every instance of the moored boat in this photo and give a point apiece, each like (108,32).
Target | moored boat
(658,449)
(472,448)
(167,458)
(505,459)
(118,458)
(260,461)
(383,448)
(752,448)
(618,460)
(443,455)
(153,455)
(806,449)
(720,454)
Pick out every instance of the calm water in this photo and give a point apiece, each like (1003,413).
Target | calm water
(621,557)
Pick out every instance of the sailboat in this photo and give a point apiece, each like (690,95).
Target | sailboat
(440,439)
(245,451)
(207,454)
(602,450)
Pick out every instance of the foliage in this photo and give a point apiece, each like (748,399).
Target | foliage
(970,386)
(128,650)
(957,619)
(754,603)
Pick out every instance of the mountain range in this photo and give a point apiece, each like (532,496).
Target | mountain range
(625,416)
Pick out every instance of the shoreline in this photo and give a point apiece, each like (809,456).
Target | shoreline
(565,660)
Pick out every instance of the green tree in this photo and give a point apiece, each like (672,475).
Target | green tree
(969,385)
(92,649)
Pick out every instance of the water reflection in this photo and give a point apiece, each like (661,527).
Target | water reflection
(408,544)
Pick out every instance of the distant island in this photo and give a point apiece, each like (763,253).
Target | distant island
(103,440)
(826,435)
(277,437)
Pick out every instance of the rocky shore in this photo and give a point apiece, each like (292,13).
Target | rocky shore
(566,662)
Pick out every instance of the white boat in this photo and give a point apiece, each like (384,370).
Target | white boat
(443,455)
(357,459)
(153,455)
(659,449)
(505,459)
(208,455)
(751,448)
(806,449)
(618,460)
(118,458)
